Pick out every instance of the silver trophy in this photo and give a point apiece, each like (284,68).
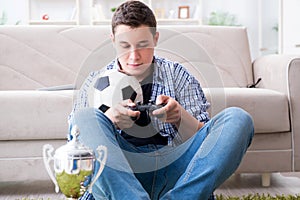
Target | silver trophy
(74,166)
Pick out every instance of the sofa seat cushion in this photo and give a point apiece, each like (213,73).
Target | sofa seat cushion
(27,115)
(31,114)
(25,157)
(269,108)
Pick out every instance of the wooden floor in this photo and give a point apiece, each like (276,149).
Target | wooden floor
(244,184)
(288,183)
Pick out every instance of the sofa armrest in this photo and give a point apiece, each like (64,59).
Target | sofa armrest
(276,72)
(281,73)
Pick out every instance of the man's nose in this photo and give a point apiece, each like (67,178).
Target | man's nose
(134,54)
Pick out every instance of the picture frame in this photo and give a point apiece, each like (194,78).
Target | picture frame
(183,12)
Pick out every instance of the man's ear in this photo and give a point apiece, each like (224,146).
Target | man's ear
(112,37)
(156,36)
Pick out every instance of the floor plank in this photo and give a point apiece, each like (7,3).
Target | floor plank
(244,184)
(286,183)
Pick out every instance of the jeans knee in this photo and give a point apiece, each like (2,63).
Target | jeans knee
(85,114)
(240,114)
(243,118)
(93,117)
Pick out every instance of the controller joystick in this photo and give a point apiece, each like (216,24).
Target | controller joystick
(147,109)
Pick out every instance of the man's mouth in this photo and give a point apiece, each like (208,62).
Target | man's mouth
(134,64)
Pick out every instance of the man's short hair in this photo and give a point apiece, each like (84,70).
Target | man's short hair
(134,14)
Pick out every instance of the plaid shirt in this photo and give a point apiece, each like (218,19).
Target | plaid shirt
(170,79)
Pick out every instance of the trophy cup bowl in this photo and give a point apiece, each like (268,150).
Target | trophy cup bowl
(74,166)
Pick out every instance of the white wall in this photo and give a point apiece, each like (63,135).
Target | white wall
(259,16)
(291,27)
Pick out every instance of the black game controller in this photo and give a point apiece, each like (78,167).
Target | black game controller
(145,110)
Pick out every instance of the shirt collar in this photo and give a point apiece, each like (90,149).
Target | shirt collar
(157,72)
(116,64)
(157,68)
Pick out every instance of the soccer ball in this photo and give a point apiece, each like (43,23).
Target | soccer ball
(111,87)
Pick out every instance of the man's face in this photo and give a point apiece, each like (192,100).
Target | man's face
(135,49)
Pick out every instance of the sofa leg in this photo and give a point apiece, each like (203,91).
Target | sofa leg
(266,179)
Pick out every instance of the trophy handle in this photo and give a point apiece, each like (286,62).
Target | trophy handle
(47,157)
(102,157)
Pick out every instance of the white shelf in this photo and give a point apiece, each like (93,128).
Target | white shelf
(58,11)
(166,11)
(99,12)
(52,22)
(178,21)
(101,22)
(159,21)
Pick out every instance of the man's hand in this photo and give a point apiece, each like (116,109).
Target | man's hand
(171,112)
(174,113)
(120,115)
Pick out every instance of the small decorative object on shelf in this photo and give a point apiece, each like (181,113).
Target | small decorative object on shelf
(98,12)
(45,17)
(73,13)
(220,18)
(113,9)
(183,12)
(171,14)
(160,13)
(3,18)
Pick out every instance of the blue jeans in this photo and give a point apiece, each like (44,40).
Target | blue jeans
(192,170)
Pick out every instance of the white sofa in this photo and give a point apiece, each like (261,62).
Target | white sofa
(34,59)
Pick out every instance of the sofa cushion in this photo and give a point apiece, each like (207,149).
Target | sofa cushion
(209,51)
(34,114)
(269,109)
(53,53)
(37,112)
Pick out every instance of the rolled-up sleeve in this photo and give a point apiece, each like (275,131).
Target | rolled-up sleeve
(190,94)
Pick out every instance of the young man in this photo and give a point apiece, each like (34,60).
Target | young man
(184,155)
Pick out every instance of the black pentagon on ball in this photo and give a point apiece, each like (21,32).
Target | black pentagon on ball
(129,93)
(103,108)
(102,83)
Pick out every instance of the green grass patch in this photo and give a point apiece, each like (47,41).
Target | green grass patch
(223,197)
(259,197)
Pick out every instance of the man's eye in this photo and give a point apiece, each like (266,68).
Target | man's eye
(143,45)
(124,46)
